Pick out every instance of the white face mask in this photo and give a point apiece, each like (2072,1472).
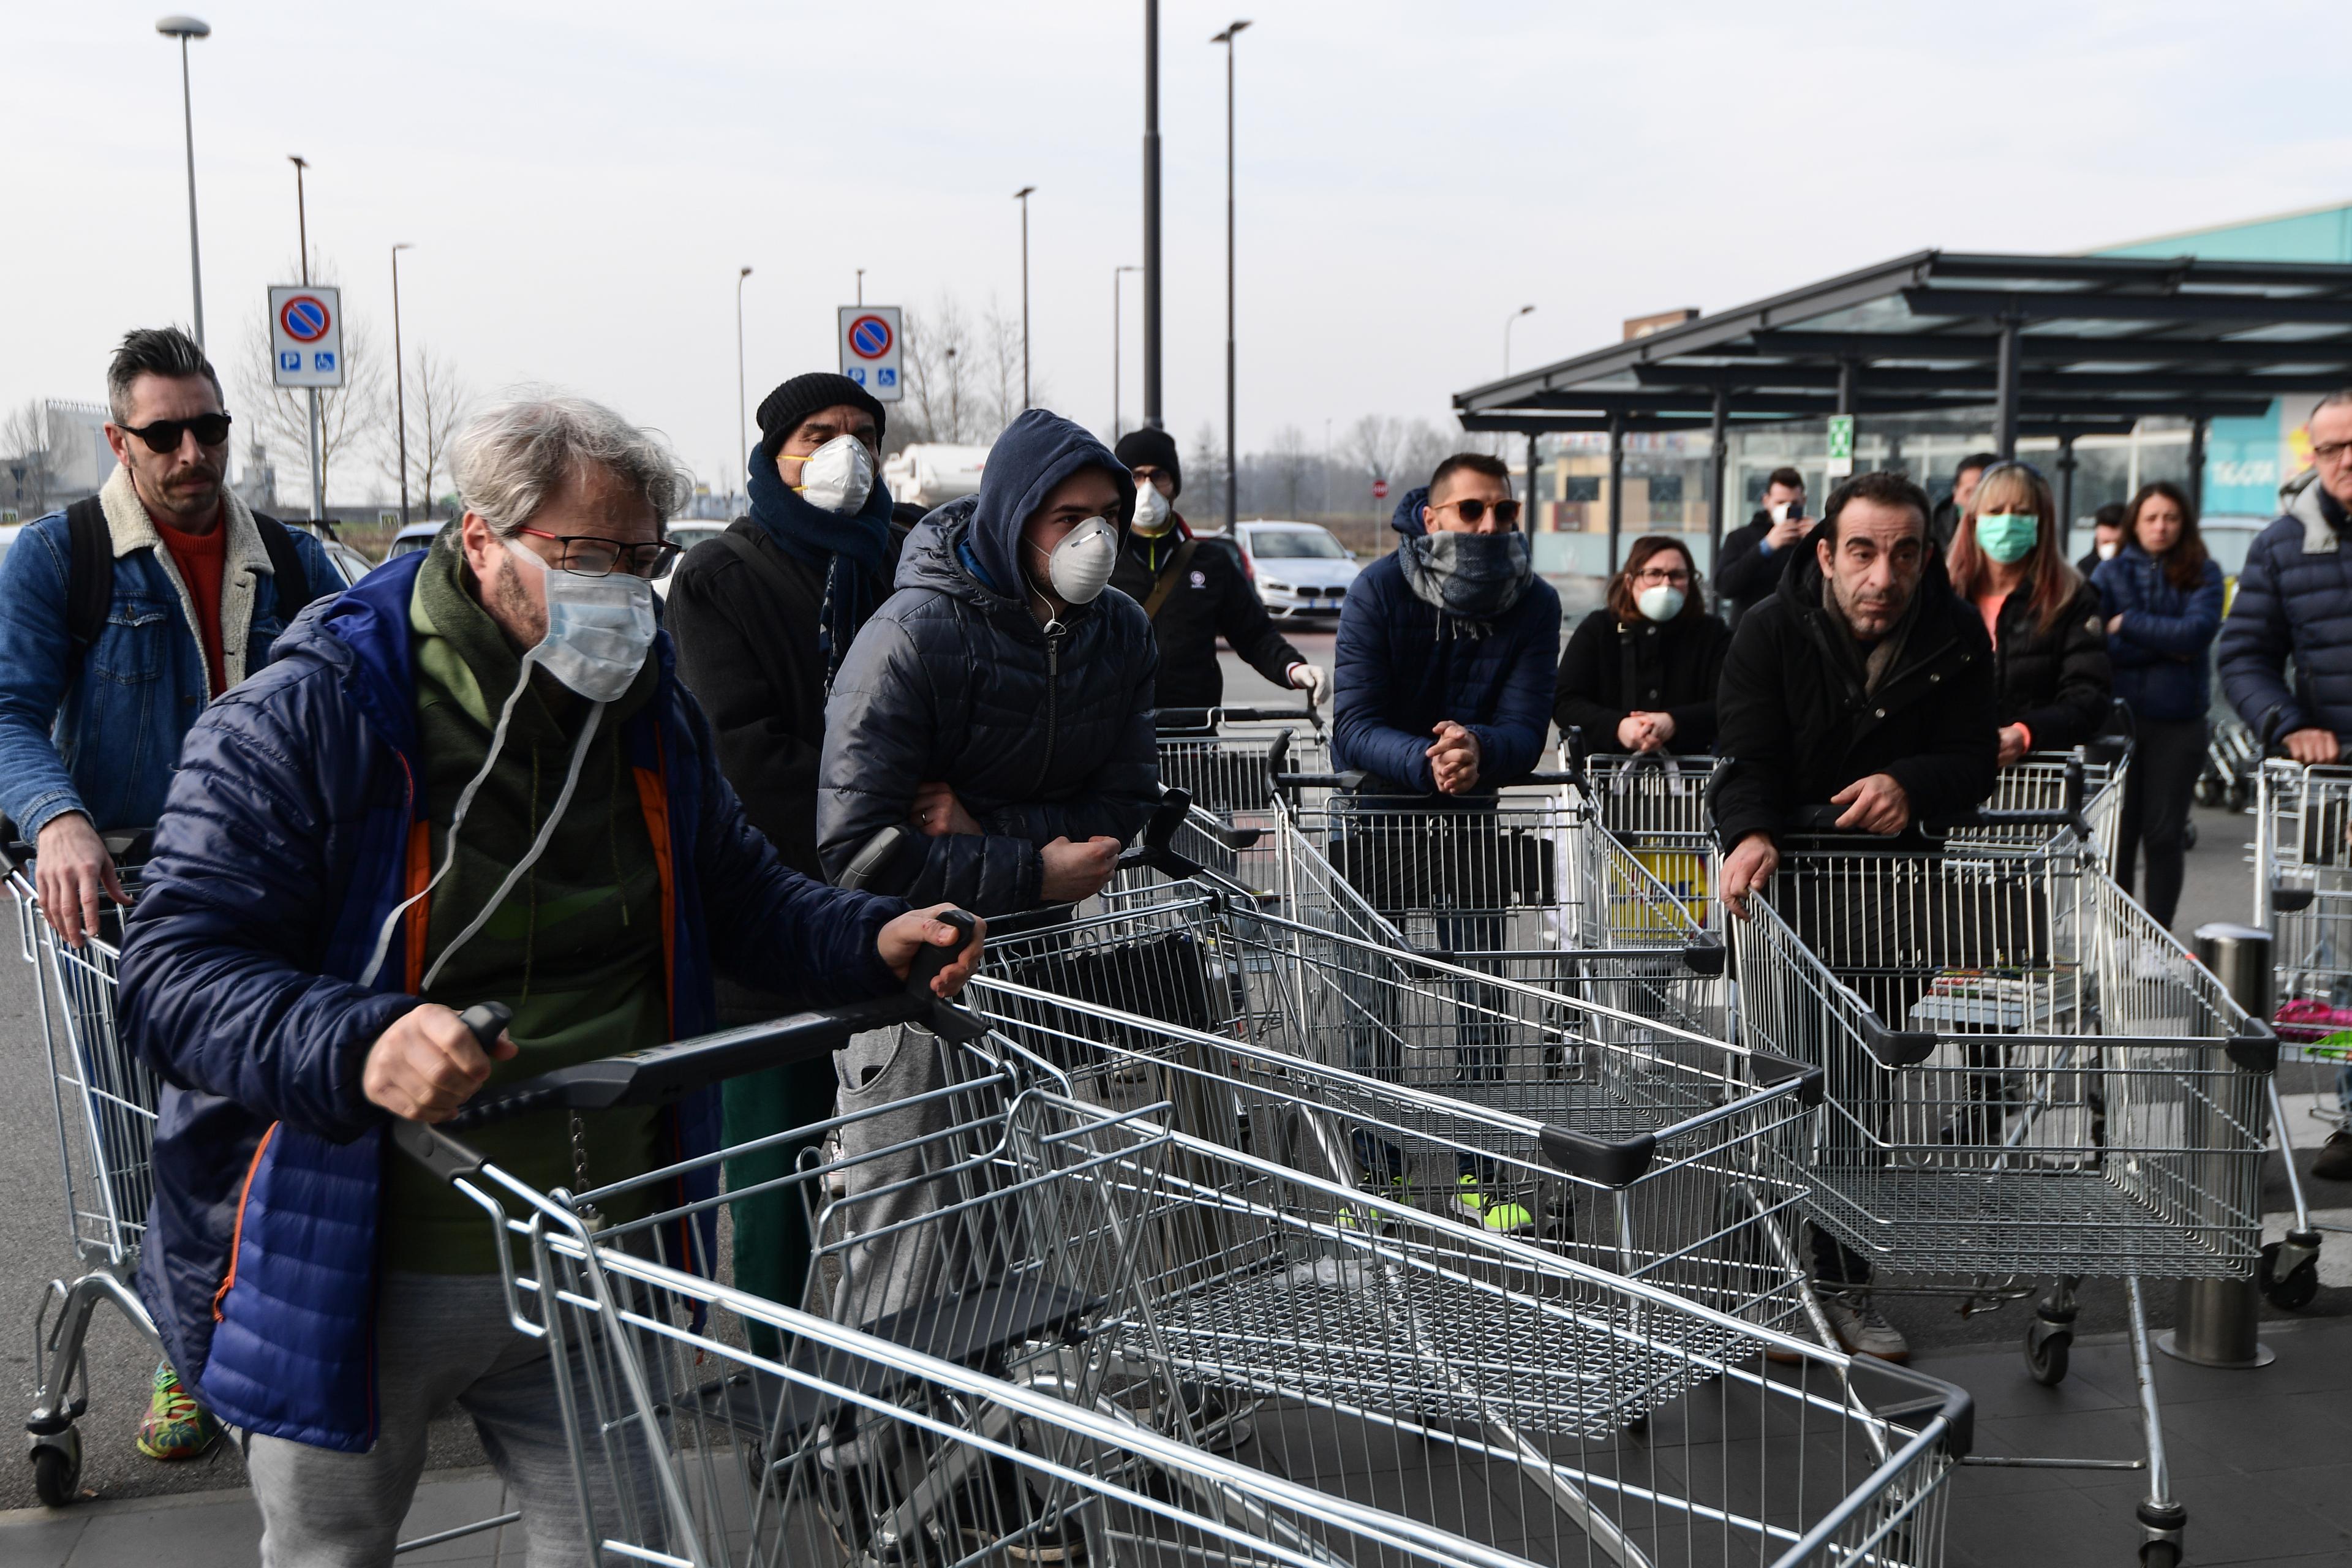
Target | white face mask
(2109,549)
(837,476)
(599,629)
(1152,513)
(1662,602)
(1079,567)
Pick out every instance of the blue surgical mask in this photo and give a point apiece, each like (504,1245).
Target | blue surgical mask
(2007,536)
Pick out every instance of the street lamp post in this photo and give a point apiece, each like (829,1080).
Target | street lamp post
(1117,318)
(183,28)
(302,233)
(1233,455)
(1508,322)
(400,385)
(742,432)
(1022,195)
(1152,414)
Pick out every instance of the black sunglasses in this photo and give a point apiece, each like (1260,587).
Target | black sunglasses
(163,434)
(1473,511)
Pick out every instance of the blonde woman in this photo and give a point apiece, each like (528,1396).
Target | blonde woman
(2051,677)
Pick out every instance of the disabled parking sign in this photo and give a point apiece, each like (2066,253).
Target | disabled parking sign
(871,340)
(305,335)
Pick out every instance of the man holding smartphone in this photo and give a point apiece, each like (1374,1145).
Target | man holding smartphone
(1754,555)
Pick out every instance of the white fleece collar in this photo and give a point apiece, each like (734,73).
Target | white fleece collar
(129,528)
(2318,539)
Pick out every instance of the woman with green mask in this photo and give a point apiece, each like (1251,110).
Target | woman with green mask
(2050,648)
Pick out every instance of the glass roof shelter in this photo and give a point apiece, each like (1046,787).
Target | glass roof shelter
(2049,346)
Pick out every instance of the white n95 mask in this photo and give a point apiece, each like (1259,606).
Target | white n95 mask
(1079,567)
(1152,513)
(837,476)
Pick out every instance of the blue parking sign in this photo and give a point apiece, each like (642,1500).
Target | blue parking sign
(322,362)
(886,376)
(290,360)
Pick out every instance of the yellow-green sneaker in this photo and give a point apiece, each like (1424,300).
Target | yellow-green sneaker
(1495,1215)
(176,1427)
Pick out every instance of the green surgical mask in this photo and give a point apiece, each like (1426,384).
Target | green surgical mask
(2007,536)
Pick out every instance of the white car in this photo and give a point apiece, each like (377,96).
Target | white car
(687,534)
(1299,568)
(414,537)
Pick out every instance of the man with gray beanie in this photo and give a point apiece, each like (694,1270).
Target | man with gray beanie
(762,616)
(1192,594)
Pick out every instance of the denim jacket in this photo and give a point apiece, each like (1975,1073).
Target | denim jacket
(105,742)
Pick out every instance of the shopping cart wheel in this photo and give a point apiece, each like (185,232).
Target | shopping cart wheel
(2047,1347)
(2207,791)
(2293,1291)
(56,1466)
(2160,1554)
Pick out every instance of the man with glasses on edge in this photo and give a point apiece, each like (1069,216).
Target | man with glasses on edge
(474,778)
(2294,603)
(1444,664)
(121,618)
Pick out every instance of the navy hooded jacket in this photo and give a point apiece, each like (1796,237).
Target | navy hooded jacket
(2295,601)
(1399,671)
(952,681)
(2161,654)
(290,833)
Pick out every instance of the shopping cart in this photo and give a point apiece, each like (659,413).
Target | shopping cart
(2025,1075)
(1132,1345)
(1654,804)
(1225,758)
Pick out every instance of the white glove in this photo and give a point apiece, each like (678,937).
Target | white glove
(1313,681)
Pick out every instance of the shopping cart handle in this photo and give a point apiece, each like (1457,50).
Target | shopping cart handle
(2258,1052)
(2292,898)
(125,847)
(1155,851)
(1706,956)
(1210,718)
(1598,1159)
(1905,1397)
(1895,1048)
(1348,779)
(1771,1072)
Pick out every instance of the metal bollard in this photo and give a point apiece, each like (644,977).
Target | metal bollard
(2216,1319)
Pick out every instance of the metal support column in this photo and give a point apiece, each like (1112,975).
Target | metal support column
(2216,1319)
(1532,483)
(1616,486)
(1151,416)
(2005,391)
(2197,462)
(1718,462)
(2065,492)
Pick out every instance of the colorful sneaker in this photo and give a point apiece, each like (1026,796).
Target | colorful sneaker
(176,1427)
(1495,1216)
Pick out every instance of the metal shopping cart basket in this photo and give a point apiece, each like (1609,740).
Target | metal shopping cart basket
(2024,1073)
(1128,1344)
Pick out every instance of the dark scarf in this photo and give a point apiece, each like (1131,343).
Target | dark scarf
(1471,580)
(851,548)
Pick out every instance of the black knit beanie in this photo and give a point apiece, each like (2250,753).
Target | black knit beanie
(1156,447)
(782,411)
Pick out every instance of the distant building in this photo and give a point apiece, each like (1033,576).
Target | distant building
(258,488)
(80,460)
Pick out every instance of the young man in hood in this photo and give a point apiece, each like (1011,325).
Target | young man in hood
(762,616)
(1192,594)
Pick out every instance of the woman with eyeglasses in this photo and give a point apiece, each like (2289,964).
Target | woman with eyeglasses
(2049,641)
(1640,673)
(2162,595)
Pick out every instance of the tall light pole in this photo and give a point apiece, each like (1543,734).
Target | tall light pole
(861,285)
(400,384)
(302,237)
(1152,414)
(1116,321)
(1233,456)
(1022,195)
(742,395)
(183,28)
(1508,322)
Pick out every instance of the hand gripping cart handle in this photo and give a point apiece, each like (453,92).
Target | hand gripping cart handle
(660,1074)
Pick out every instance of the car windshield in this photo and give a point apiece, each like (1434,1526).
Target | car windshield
(1295,544)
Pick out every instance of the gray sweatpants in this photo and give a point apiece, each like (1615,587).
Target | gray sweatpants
(441,1340)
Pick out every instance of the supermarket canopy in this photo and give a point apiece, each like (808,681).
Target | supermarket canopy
(2055,345)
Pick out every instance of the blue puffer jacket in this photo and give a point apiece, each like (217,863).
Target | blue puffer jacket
(2294,601)
(952,681)
(2160,653)
(1398,672)
(287,841)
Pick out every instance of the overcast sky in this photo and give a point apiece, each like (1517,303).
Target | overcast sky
(582,182)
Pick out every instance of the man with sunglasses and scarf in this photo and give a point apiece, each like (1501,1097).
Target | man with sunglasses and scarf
(91,715)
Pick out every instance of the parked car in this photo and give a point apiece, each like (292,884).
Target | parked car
(1299,568)
(348,562)
(688,533)
(415,536)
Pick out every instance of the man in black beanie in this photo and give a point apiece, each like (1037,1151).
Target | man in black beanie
(1194,593)
(760,617)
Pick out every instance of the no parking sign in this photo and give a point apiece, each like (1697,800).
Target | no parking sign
(870,345)
(305,335)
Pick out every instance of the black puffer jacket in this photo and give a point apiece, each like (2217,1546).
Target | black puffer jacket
(2055,683)
(953,681)
(1796,724)
(2293,606)
(1613,667)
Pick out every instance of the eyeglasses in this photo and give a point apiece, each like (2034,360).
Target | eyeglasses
(1473,511)
(586,555)
(163,434)
(2330,451)
(1653,575)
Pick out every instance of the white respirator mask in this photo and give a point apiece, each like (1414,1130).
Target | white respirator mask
(837,476)
(1079,567)
(1662,602)
(1153,515)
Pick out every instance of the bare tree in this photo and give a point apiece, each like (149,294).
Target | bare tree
(1289,463)
(351,417)
(1000,367)
(24,460)
(1420,449)
(1205,463)
(436,404)
(942,400)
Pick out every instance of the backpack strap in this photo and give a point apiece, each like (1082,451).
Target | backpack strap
(1166,583)
(764,567)
(292,580)
(89,577)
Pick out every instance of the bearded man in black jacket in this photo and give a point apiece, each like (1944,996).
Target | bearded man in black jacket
(1193,594)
